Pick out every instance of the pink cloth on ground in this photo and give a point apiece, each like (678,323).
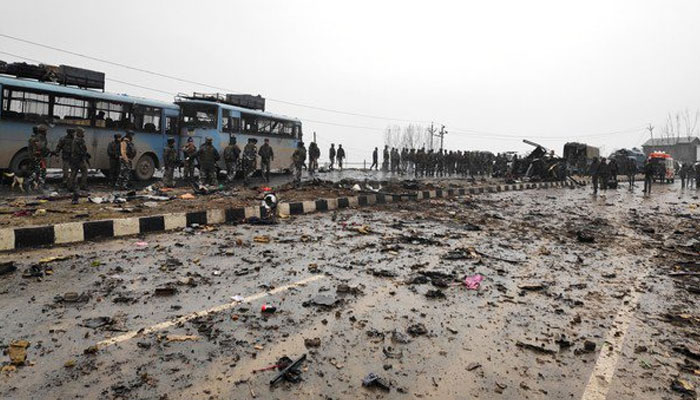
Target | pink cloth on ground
(472,282)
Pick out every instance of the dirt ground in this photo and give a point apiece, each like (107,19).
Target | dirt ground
(580,297)
(46,208)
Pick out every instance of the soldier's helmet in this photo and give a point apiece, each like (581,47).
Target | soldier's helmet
(232,140)
(171,140)
(300,144)
(80,132)
(129,133)
(209,140)
(117,136)
(41,128)
(70,131)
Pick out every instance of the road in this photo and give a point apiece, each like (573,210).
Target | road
(576,302)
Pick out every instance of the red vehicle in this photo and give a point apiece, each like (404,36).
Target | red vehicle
(664,170)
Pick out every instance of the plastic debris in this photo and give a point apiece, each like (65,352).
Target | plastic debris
(472,282)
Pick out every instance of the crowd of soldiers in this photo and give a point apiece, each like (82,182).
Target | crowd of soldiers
(422,162)
(121,152)
(76,159)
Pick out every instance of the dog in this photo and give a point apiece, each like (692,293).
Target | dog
(17,180)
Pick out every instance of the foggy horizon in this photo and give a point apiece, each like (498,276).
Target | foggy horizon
(493,74)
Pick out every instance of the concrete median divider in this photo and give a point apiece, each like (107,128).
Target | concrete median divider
(75,232)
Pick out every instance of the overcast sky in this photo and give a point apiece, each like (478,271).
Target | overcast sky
(492,71)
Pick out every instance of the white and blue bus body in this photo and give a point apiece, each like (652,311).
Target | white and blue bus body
(201,119)
(26,103)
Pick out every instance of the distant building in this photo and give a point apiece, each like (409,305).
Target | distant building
(685,149)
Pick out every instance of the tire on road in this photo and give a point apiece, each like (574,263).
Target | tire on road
(145,167)
(21,163)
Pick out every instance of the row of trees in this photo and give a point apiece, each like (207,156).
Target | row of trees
(410,136)
(682,123)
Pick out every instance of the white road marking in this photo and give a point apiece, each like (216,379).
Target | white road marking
(604,369)
(196,314)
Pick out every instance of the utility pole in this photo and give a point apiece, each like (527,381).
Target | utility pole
(441,135)
(443,132)
(432,134)
(314,136)
(650,128)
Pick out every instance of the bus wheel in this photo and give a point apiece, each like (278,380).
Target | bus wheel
(21,163)
(145,168)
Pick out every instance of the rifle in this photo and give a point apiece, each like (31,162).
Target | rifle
(290,372)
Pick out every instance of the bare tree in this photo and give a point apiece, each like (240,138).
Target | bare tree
(410,136)
(682,123)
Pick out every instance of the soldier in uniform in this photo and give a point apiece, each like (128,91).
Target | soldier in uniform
(314,155)
(648,175)
(64,147)
(38,151)
(266,156)
(113,153)
(79,163)
(250,152)
(127,152)
(170,162)
(299,156)
(232,154)
(604,173)
(331,155)
(340,156)
(375,159)
(190,154)
(594,171)
(208,156)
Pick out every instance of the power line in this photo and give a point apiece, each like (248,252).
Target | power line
(183,80)
(475,133)
(107,79)
(462,131)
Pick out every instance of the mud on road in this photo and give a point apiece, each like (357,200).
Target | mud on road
(578,298)
(53,205)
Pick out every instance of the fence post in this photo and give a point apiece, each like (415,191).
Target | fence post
(364,164)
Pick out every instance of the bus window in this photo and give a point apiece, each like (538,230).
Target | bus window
(230,123)
(277,127)
(146,119)
(110,115)
(199,116)
(69,110)
(28,106)
(171,126)
(264,125)
(288,129)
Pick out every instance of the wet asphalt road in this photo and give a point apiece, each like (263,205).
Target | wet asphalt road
(522,334)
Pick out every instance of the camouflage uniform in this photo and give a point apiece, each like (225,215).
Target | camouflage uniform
(113,153)
(38,151)
(299,156)
(249,160)
(64,147)
(127,154)
(190,154)
(170,162)
(232,154)
(208,156)
(340,156)
(79,158)
(266,156)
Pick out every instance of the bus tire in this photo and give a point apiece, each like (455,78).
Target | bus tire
(21,163)
(145,168)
